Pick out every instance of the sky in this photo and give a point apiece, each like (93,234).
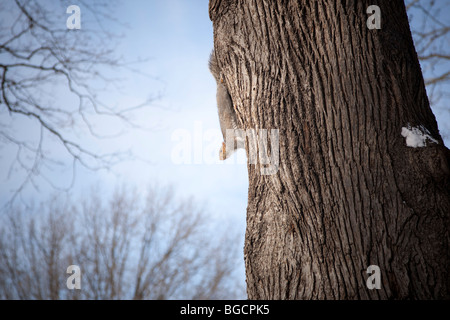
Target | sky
(177,37)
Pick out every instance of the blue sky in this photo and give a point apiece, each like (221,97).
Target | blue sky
(177,36)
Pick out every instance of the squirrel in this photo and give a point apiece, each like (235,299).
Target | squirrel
(227,115)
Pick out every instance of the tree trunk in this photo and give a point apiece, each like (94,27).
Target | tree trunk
(349,192)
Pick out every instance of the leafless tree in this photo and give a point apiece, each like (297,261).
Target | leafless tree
(127,247)
(41,61)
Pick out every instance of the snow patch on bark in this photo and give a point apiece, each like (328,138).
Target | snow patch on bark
(417,136)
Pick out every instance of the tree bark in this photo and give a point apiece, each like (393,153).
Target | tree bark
(349,192)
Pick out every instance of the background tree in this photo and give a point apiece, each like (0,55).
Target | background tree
(349,193)
(431,33)
(128,246)
(52,80)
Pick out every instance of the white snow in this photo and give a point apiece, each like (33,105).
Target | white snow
(417,136)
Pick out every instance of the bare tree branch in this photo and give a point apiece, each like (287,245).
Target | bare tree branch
(38,57)
(431,33)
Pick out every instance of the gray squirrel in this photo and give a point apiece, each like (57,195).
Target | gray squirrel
(227,114)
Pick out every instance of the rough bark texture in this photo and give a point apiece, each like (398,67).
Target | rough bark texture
(349,192)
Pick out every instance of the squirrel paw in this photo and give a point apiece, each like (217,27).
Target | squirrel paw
(223,151)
